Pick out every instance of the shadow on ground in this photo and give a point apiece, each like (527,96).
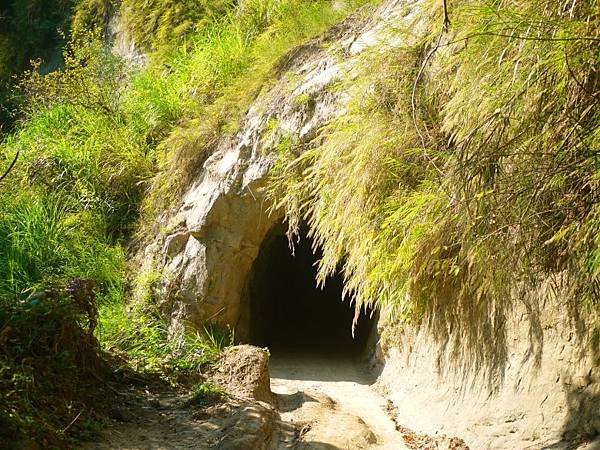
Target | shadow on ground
(583,421)
(311,367)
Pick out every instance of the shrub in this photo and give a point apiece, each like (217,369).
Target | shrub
(49,358)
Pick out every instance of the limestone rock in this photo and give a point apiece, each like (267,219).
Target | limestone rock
(209,244)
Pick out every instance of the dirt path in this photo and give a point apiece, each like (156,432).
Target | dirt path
(332,403)
(320,404)
(165,421)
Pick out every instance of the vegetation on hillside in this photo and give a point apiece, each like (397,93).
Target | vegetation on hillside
(92,139)
(465,175)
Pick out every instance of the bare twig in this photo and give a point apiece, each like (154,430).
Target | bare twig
(73,421)
(10,167)
(446,23)
(520,37)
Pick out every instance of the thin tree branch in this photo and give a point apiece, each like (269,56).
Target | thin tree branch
(10,167)
(446,23)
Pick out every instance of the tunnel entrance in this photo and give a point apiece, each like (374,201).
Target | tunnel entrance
(289,313)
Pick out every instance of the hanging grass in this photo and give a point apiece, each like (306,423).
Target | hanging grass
(465,174)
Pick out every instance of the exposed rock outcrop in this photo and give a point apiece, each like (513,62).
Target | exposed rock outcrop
(548,397)
(205,257)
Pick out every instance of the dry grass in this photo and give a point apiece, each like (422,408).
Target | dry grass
(464,175)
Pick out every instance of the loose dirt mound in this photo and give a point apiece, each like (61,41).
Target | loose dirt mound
(244,372)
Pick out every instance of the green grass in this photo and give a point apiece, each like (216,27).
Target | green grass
(44,244)
(149,347)
(206,394)
(212,81)
(449,213)
(160,25)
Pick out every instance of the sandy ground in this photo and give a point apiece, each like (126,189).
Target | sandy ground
(323,404)
(332,403)
(149,421)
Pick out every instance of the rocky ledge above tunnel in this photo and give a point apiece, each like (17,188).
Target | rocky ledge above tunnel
(205,256)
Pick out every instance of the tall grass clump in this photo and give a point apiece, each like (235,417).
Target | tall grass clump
(151,348)
(158,25)
(218,73)
(45,244)
(464,177)
(66,210)
(71,197)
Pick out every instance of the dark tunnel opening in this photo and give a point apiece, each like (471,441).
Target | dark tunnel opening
(290,314)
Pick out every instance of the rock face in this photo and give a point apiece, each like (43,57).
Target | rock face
(548,396)
(206,256)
